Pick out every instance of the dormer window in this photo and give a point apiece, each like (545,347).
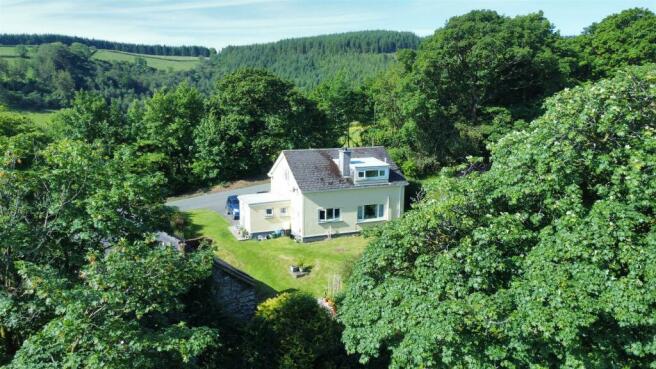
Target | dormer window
(371,174)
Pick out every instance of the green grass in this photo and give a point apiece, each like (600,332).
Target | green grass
(7,51)
(162,62)
(41,118)
(268,261)
(176,63)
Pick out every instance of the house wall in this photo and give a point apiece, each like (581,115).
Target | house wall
(244,216)
(258,222)
(348,201)
(283,182)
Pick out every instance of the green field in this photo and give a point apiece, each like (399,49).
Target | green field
(41,117)
(268,261)
(9,53)
(175,63)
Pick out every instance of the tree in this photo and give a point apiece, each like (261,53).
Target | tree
(58,202)
(252,116)
(293,331)
(442,104)
(92,118)
(21,51)
(342,104)
(626,38)
(546,260)
(166,127)
(122,315)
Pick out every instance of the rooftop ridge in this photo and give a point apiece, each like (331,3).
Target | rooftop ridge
(337,148)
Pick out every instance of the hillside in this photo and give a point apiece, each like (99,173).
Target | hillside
(38,39)
(309,60)
(164,63)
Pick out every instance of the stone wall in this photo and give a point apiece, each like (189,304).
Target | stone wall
(235,293)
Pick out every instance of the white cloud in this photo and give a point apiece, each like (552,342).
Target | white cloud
(222,22)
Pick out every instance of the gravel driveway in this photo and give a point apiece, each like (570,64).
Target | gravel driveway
(215,200)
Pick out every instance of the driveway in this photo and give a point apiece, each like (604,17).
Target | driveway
(215,200)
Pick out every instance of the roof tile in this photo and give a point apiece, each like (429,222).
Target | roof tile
(315,169)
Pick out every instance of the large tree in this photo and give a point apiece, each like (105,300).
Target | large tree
(467,82)
(626,38)
(166,127)
(124,314)
(59,201)
(546,260)
(342,104)
(252,116)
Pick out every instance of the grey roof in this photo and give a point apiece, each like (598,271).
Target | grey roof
(315,169)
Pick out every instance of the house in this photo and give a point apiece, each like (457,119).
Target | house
(320,193)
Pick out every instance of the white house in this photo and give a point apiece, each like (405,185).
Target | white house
(319,193)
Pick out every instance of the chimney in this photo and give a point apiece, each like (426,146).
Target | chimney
(345,162)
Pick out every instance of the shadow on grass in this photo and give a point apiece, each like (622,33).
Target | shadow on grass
(263,291)
(183,226)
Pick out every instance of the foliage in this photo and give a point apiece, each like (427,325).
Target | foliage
(91,118)
(342,104)
(546,260)
(308,61)
(58,201)
(252,116)
(53,73)
(447,100)
(38,39)
(293,331)
(166,127)
(121,316)
(619,40)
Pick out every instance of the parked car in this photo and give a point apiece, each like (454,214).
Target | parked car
(232,207)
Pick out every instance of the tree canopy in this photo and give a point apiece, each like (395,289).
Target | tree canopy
(252,116)
(38,39)
(546,260)
(626,38)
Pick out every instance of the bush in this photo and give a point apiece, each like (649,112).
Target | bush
(293,331)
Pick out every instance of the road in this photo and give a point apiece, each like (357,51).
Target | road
(215,200)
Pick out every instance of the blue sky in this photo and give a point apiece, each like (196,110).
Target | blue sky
(219,23)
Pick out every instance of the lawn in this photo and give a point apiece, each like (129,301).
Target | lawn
(176,63)
(268,261)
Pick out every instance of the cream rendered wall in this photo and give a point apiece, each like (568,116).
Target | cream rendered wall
(244,216)
(283,182)
(260,223)
(348,201)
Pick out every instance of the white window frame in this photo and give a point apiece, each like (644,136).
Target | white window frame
(362,174)
(283,212)
(326,219)
(268,213)
(380,213)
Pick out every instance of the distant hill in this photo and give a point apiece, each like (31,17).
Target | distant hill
(163,63)
(309,60)
(38,39)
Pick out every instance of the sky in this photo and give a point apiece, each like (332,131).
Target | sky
(219,23)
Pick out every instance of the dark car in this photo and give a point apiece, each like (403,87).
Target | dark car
(232,206)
